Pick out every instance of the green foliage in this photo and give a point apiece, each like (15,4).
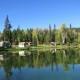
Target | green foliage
(34,37)
(58,37)
(63,35)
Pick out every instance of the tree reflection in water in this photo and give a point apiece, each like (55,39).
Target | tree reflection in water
(39,59)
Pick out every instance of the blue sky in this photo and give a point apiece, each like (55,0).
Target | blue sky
(40,13)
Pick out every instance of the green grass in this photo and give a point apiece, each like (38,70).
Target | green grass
(50,46)
(41,47)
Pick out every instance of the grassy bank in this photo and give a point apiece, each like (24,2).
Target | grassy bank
(42,46)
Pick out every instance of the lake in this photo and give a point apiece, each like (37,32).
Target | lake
(40,65)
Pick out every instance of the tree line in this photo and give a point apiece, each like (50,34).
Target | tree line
(62,35)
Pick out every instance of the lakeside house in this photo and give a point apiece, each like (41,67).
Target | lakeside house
(21,45)
(5,44)
(53,43)
(24,44)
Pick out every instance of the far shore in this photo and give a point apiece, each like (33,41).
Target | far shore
(40,47)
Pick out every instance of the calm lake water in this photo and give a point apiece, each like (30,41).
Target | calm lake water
(40,65)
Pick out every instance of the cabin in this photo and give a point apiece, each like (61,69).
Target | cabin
(53,43)
(5,44)
(29,43)
(24,44)
(21,45)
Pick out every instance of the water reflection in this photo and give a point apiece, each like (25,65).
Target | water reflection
(21,53)
(53,59)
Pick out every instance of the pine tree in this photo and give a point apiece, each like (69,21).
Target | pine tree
(50,33)
(7,35)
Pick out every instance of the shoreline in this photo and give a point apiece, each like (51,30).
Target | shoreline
(40,47)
